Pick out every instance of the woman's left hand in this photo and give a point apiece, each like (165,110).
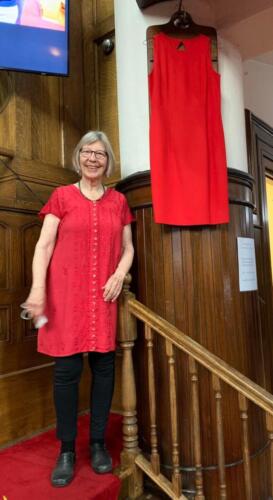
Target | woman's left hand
(113,286)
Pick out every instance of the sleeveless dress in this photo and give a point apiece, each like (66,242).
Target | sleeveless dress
(87,251)
(187,150)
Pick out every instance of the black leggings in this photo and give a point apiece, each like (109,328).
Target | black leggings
(67,374)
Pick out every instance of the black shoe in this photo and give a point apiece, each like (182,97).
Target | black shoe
(101,461)
(63,473)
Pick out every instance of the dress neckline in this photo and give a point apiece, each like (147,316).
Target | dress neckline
(104,195)
(175,41)
(185,39)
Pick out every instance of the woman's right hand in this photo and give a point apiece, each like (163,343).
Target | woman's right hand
(35,303)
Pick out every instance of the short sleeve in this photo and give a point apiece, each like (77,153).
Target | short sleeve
(127,216)
(53,206)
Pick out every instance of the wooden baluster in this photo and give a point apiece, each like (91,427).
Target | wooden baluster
(269,426)
(243,405)
(176,476)
(196,430)
(152,401)
(127,334)
(220,436)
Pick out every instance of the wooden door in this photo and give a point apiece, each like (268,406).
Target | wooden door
(260,155)
(269,201)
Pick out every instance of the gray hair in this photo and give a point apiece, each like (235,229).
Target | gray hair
(89,138)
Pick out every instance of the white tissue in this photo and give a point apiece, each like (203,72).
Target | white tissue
(40,321)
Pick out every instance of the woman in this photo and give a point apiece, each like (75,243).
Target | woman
(80,261)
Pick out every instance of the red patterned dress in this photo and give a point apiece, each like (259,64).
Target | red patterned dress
(188,160)
(87,252)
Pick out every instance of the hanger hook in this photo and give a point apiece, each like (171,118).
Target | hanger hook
(181,18)
(180,8)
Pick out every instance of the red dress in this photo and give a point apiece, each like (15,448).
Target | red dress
(187,150)
(87,252)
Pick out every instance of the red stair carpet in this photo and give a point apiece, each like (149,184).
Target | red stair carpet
(25,468)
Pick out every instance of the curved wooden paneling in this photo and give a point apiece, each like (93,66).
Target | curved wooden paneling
(189,275)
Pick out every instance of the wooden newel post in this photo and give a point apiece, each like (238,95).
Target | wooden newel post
(127,333)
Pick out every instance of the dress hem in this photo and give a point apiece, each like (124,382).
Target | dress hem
(75,352)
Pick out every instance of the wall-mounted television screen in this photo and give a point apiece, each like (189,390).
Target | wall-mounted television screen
(34,36)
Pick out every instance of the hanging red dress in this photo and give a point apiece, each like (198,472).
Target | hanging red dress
(187,150)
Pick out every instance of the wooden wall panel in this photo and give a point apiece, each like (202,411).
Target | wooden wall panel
(25,88)
(5,256)
(29,237)
(39,128)
(102,10)
(26,401)
(73,89)
(7,120)
(5,326)
(44,118)
(46,132)
(100,73)
(23,231)
(107,113)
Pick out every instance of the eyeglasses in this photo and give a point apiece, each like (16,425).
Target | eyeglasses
(99,155)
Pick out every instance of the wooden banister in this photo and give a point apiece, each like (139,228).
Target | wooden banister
(152,401)
(269,427)
(176,476)
(216,385)
(243,405)
(132,458)
(196,429)
(126,337)
(230,375)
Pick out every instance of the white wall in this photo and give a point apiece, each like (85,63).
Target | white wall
(233,114)
(133,104)
(258,89)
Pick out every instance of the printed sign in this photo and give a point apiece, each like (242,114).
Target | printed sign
(247,265)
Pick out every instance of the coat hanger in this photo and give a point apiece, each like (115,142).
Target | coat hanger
(181,19)
(180,25)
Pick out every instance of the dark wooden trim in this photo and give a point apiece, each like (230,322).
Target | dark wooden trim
(261,123)
(139,180)
(260,154)
(143,178)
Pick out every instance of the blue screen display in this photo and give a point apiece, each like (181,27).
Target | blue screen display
(34,36)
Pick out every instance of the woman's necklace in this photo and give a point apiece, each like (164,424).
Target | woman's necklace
(90,199)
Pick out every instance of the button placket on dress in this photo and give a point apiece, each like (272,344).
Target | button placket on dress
(94,274)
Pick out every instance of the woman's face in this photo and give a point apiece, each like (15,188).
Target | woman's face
(93,161)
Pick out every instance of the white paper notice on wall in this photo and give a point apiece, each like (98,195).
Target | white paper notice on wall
(247,265)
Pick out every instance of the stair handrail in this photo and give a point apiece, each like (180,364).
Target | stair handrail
(133,462)
(213,363)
